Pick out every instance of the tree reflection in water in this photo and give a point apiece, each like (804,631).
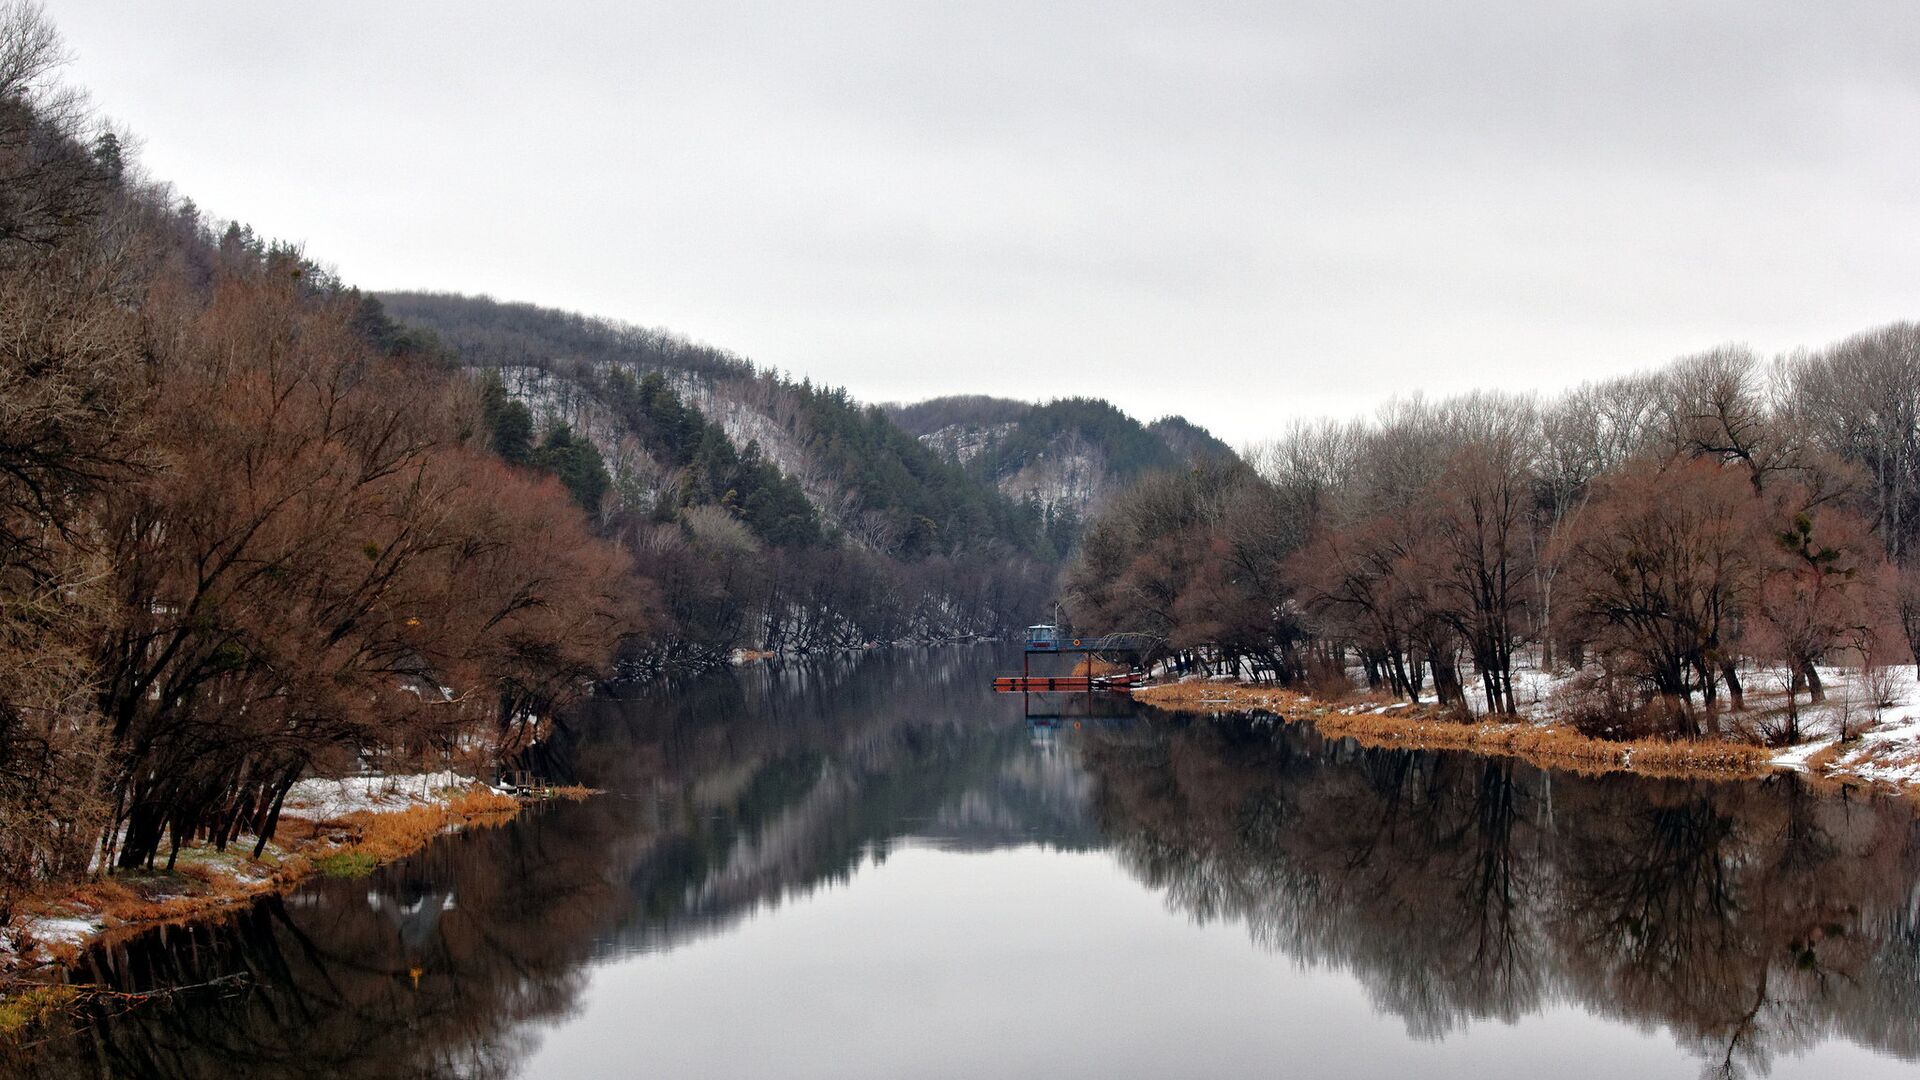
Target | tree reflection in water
(1749,919)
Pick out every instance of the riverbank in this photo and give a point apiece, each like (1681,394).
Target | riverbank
(343,828)
(1880,749)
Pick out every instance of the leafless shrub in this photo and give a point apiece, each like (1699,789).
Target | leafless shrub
(1326,680)
(1601,705)
(1878,680)
(1848,707)
(1779,726)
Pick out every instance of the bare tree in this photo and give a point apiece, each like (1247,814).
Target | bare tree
(1822,587)
(68,431)
(1663,563)
(1861,401)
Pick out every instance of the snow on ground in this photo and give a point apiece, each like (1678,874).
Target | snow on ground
(64,931)
(1533,689)
(1887,749)
(1901,765)
(29,937)
(326,800)
(1879,712)
(73,924)
(1797,757)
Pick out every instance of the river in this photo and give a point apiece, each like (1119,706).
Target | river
(875,867)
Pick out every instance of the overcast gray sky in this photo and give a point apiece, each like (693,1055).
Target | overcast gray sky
(1241,212)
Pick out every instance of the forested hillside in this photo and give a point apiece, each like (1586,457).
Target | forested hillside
(246,530)
(766,513)
(868,479)
(950,476)
(1064,458)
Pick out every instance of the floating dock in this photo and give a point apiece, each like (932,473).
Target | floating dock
(1067,684)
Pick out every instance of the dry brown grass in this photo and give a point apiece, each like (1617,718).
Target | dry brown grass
(572,792)
(1198,696)
(1867,763)
(141,899)
(479,805)
(1824,758)
(383,836)
(130,901)
(1426,728)
(387,836)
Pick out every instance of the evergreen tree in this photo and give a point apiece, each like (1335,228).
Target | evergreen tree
(578,465)
(510,422)
(107,153)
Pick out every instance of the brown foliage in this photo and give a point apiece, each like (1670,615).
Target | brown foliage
(68,389)
(1823,587)
(324,562)
(1193,560)
(1660,571)
(236,538)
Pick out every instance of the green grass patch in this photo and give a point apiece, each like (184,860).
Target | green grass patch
(32,1007)
(346,864)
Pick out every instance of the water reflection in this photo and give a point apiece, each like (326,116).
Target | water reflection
(1749,921)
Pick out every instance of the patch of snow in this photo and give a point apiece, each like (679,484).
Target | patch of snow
(964,442)
(1889,752)
(325,800)
(1070,473)
(1795,757)
(1880,712)
(63,930)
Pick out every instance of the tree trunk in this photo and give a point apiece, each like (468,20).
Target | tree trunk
(143,837)
(1735,694)
(1446,684)
(272,822)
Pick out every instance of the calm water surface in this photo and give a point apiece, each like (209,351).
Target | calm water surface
(876,868)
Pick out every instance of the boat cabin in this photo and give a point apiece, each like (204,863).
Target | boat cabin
(1042,637)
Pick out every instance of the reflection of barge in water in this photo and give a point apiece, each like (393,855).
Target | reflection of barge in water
(1072,711)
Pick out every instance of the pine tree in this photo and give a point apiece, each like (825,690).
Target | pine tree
(107,153)
(578,465)
(510,421)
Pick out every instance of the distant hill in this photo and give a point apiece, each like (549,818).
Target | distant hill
(865,477)
(965,474)
(1064,456)
(1191,441)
